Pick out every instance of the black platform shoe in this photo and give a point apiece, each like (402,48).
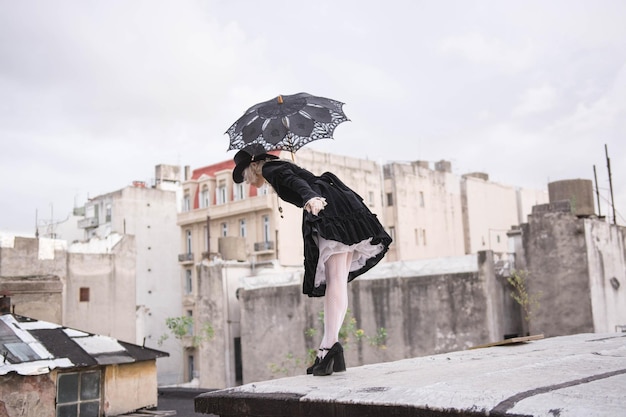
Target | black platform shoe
(339,365)
(326,366)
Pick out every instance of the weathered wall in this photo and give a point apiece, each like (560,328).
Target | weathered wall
(110,278)
(211,306)
(27,396)
(129,387)
(558,269)
(34,271)
(22,256)
(607,274)
(489,211)
(421,315)
(39,297)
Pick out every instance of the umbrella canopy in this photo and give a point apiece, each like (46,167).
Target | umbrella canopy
(287,122)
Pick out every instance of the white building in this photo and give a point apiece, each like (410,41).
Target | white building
(148,213)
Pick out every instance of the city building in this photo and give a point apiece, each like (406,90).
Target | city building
(148,213)
(229,231)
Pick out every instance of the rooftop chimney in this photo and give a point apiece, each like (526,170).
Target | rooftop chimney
(5,305)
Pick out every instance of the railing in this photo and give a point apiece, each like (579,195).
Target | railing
(185,257)
(88,222)
(261,246)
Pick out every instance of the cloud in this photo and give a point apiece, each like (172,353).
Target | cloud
(489,51)
(536,100)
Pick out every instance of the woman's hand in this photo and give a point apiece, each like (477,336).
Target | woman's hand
(315,205)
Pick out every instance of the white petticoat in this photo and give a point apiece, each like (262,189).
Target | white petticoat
(361,252)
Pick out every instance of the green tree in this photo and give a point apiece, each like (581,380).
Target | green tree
(182,327)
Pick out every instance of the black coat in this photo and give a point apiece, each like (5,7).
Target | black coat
(345,219)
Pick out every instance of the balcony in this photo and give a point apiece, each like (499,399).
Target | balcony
(88,223)
(185,257)
(263,246)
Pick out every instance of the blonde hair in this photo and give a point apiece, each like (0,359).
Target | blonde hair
(253,172)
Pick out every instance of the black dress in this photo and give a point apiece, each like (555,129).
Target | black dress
(346,219)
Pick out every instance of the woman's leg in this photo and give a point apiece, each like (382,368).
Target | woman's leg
(336,297)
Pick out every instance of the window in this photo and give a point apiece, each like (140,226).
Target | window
(107,213)
(78,394)
(392,232)
(206,238)
(238,361)
(239,195)
(242,228)
(390,199)
(188,238)
(190,367)
(371,198)
(424,236)
(264,190)
(204,197)
(224,229)
(220,193)
(188,282)
(421,199)
(186,201)
(266,228)
(83,294)
(190,328)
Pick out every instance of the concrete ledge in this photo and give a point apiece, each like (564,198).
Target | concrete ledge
(579,375)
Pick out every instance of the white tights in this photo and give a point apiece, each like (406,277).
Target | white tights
(336,298)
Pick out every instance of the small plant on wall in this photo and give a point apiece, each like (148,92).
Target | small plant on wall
(182,327)
(349,333)
(528,301)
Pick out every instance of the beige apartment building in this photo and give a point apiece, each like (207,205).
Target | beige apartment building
(430,213)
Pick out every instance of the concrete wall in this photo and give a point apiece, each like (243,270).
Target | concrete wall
(422,314)
(110,280)
(215,358)
(489,211)
(34,271)
(578,265)
(39,297)
(25,396)
(606,257)
(23,256)
(558,268)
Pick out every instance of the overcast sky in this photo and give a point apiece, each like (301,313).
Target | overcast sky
(94,94)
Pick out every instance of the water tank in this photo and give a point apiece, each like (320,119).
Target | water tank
(578,192)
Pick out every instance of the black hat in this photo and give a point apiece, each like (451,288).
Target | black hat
(251,153)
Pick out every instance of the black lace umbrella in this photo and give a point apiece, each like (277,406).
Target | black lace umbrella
(287,122)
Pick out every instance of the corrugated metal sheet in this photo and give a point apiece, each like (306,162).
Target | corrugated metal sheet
(33,347)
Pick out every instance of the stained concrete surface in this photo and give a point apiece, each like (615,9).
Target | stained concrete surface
(580,375)
(180,400)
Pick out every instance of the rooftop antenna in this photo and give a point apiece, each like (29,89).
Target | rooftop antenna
(595,176)
(608,165)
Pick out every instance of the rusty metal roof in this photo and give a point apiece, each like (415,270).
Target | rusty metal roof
(33,347)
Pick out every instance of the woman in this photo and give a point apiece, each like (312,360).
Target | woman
(342,238)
